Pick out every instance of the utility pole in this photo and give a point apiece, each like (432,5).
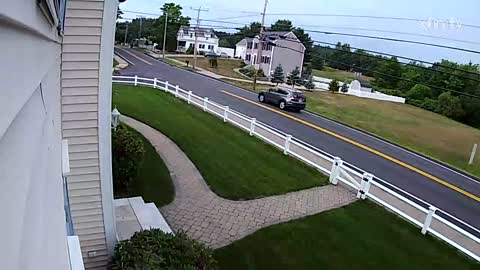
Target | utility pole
(165,33)
(126,33)
(260,47)
(199,9)
(140,29)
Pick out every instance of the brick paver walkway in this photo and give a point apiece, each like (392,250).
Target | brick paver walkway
(217,221)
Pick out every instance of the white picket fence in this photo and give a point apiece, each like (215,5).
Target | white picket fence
(430,219)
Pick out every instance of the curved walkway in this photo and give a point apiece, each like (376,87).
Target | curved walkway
(217,221)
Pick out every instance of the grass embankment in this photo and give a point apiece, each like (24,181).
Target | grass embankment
(153,181)
(339,75)
(235,165)
(423,131)
(225,66)
(361,235)
(426,132)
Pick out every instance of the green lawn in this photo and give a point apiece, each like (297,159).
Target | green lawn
(225,66)
(235,165)
(361,235)
(153,181)
(339,75)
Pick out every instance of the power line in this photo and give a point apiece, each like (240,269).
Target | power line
(392,32)
(457,23)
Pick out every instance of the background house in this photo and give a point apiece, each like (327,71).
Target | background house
(55,133)
(206,39)
(241,48)
(280,48)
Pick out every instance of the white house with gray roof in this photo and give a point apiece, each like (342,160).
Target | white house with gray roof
(207,40)
(279,48)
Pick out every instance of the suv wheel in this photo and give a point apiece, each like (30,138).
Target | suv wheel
(282,105)
(261,98)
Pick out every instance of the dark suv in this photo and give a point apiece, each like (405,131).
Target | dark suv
(284,98)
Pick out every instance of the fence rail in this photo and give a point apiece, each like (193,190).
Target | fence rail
(429,218)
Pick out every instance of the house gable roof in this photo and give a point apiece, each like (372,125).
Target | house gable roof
(273,36)
(201,31)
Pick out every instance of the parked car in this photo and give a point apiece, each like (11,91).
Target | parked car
(211,54)
(224,55)
(283,97)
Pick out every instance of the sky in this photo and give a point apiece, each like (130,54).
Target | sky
(458,13)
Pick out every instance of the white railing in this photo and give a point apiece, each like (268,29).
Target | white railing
(420,213)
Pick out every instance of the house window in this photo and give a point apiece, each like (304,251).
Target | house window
(255,46)
(248,57)
(191,35)
(249,45)
(210,47)
(201,46)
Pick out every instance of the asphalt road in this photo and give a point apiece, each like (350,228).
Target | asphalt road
(443,197)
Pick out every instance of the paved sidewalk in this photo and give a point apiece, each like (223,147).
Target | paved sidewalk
(217,221)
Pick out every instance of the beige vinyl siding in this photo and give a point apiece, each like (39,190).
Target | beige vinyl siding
(80,88)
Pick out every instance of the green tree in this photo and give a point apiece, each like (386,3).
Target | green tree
(251,30)
(419,92)
(306,41)
(174,21)
(333,86)
(388,74)
(294,77)
(278,75)
(310,84)
(450,106)
(282,25)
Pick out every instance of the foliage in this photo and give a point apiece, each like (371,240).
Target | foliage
(249,71)
(212,61)
(391,92)
(278,76)
(154,249)
(127,156)
(282,25)
(309,84)
(450,106)
(153,28)
(419,92)
(429,104)
(333,86)
(344,88)
(388,74)
(294,77)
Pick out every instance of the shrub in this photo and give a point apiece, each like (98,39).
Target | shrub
(430,104)
(309,84)
(127,155)
(190,49)
(419,92)
(450,106)
(344,88)
(154,249)
(213,62)
(333,86)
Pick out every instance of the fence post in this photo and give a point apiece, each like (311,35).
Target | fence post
(136,80)
(335,172)
(205,102)
(472,155)
(176,90)
(286,148)
(225,113)
(428,219)
(364,186)
(166,86)
(252,126)
(154,83)
(189,97)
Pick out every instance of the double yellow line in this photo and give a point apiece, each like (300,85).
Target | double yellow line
(376,152)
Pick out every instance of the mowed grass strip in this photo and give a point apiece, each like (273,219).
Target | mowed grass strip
(339,75)
(361,235)
(225,66)
(153,181)
(235,165)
